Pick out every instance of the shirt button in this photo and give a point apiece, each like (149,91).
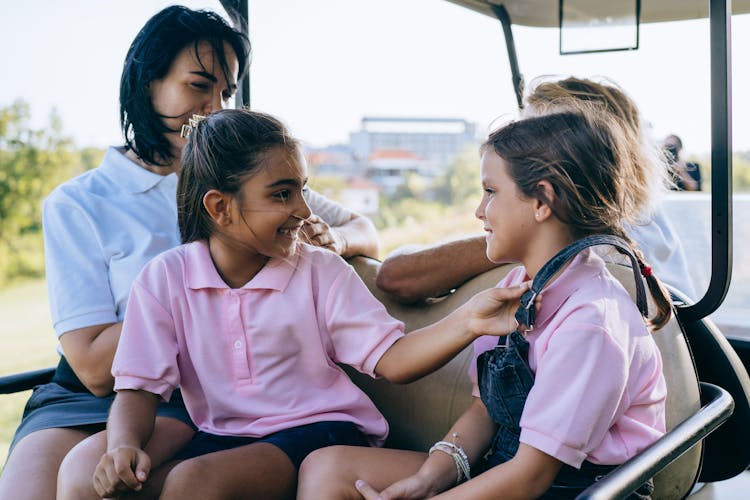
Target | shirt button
(237,344)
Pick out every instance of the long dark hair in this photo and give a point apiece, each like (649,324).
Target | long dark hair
(585,159)
(149,58)
(223,151)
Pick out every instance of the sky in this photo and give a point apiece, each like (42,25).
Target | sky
(322,65)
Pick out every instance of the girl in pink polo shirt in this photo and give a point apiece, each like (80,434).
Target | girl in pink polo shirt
(252,325)
(576,385)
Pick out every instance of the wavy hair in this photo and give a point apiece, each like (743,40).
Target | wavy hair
(583,157)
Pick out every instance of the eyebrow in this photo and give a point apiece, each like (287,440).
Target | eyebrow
(287,182)
(211,77)
(206,75)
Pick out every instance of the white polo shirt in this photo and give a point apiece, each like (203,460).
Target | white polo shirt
(663,251)
(102,227)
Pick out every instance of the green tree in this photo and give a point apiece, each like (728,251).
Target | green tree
(328,185)
(460,185)
(32,162)
(740,171)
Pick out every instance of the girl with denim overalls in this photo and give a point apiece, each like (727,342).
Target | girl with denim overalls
(576,388)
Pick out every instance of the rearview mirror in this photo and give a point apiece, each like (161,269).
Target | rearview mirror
(594,26)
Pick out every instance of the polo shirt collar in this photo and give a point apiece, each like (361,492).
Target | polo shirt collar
(132,177)
(579,271)
(201,273)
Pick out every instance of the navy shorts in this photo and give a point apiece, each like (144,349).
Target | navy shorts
(297,442)
(65,402)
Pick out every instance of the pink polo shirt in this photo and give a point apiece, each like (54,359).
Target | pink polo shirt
(599,391)
(261,358)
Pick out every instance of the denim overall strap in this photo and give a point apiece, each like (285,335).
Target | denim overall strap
(526,312)
(504,380)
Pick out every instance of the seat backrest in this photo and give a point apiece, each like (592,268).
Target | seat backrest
(727,449)
(683,395)
(421,413)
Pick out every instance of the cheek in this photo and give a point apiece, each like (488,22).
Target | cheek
(494,211)
(172,103)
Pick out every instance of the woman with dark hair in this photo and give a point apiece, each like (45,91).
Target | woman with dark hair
(102,227)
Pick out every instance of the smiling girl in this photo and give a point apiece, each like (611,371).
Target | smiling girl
(101,228)
(577,388)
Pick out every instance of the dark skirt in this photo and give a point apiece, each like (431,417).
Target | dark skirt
(65,402)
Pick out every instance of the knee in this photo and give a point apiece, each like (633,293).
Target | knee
(324,474)
(74,478)
(188,479)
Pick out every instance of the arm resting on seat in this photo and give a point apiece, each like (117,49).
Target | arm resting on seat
(25,380)
(718,406)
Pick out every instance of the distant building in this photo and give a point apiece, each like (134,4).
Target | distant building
(329,161)
(387,150)
(435,140)
(389,168)
(361,195)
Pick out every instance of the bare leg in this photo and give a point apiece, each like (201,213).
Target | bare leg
(31,469)
(76,471)
(259,470)
(330,472)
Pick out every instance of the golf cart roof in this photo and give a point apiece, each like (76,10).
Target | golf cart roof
(545,13)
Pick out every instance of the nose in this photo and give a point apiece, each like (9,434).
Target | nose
(305,211)
(479,213)
(302,210)
(215,102)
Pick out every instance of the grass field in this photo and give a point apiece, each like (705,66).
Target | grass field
(27,341)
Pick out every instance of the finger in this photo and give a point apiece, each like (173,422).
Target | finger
(100,489)
(142,467)
(366,490)
(310,230)
(125,475)
(511,293)
(110,479)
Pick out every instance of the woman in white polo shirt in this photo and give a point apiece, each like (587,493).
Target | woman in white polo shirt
(102,227)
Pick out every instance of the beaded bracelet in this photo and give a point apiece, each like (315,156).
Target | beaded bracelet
(463,469)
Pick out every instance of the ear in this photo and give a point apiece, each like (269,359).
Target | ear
(218,204)
(542,210)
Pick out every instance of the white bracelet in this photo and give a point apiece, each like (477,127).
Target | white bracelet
(455,459)
(463,468)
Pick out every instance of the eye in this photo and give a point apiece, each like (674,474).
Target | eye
(489,191)
(200,86)
(282,195)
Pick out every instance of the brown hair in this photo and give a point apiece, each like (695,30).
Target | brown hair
(223,151)
(583,157)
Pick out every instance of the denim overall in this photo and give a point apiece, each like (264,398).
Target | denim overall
(505,378)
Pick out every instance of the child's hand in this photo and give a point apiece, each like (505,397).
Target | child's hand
(409,488)
(121,470)
(492,312)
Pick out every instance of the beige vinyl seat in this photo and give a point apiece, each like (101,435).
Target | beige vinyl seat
(421,413)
